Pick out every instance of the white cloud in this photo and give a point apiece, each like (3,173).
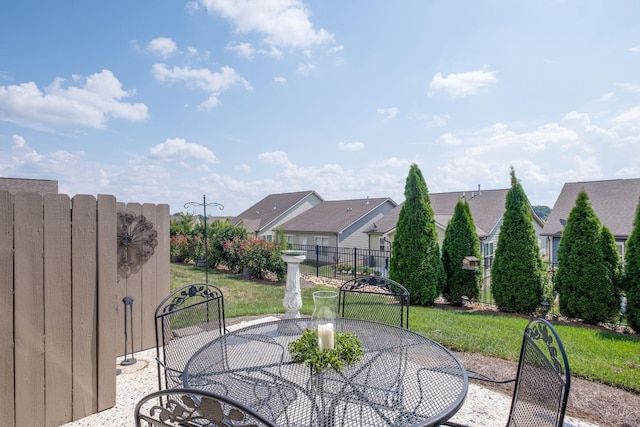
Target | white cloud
(162,46)
(389,113)
(631,115)
(463,84)
(606,97)
(351,146)
(449,139)
(245,168)
(214,83)
(241,49)
(629,87)
(434,121)
(283,23)
(305,69)
(280,80)
(92,103)
(179,148)
(276,158)
(438,121)
(18,141)
(635,49)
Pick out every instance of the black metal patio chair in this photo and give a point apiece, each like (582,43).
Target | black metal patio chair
(189,407)
(378,299)
(542,382)
(186,320)
(375,298)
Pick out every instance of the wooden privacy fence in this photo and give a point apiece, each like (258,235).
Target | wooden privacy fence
(61,309)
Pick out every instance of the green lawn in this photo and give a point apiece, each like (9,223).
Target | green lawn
(595,355)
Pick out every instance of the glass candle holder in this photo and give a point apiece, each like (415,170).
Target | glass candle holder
(325,312)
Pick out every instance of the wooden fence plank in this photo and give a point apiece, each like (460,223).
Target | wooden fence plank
(6,310)
(29,310)
(149,277)
(84,300)
(163,253)
(121,292)
(107,277)
(57,309)
(134,289)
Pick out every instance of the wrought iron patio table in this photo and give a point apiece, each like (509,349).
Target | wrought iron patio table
(403,379)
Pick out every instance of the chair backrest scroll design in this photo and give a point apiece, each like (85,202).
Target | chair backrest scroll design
(185,320)
(375,298)
(543,379)
(188,407)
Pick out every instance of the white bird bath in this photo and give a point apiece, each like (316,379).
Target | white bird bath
(292,299)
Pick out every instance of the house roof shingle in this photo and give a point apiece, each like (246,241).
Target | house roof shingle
(333,216)
(487,207)
(614,202)
(272,207)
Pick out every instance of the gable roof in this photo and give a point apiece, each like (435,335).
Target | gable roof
(487,208)
(614,202)
(334,216)
(259,216)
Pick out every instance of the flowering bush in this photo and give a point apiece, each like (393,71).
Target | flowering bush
(259,256)
(187,248)
(233,250)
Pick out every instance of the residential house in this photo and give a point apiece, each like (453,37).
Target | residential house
(41,186)
(339,223)
(265,217)
(487,208)
(614,202)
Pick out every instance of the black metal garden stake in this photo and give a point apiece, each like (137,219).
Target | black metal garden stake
(128,315)
(204,204)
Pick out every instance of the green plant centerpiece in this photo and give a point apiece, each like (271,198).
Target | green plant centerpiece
(347,350)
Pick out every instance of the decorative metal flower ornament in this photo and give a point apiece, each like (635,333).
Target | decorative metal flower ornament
(137,240)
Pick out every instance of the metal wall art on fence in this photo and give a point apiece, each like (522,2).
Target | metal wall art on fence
(137,240)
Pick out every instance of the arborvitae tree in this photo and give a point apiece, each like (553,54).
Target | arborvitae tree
(632,274)
(415,260)
(460,240)
(518,276)
(583,279)
(612,259)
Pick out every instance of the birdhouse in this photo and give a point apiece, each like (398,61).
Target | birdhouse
(470,263)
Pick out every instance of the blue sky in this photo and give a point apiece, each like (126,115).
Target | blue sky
(164,101)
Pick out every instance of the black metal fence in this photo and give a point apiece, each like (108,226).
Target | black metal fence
(343,263)
(347,263)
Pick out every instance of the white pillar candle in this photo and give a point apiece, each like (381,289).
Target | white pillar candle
(325,336)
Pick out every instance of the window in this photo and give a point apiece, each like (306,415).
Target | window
(268,238)
(382,245)
(323,242)
(487,249)
(620,246)
(289,240)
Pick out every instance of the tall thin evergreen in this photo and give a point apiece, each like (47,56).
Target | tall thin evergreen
(612,259)
(415,260)
(632,274)
(518,276)
(460,241)
(583,280)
